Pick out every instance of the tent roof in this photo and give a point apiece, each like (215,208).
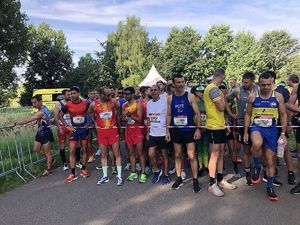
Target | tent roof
(152,77)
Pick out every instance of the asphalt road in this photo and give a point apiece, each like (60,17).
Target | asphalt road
(50,201)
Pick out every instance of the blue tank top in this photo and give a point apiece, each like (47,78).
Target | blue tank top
(182,112)
(43,123)
(265,111)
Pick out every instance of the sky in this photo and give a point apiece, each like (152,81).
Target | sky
(86,21)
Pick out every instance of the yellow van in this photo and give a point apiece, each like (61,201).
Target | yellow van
(49,96)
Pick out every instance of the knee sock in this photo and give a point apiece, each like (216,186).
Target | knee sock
(257,162)
(62,155)
(77,153)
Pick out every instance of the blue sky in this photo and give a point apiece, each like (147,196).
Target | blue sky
(85,21)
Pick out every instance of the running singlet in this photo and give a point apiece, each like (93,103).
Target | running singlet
(265,111)
(181,112)
(77,111)
(157,113)
(66,116)
(44,122)
(133,111)
(215,119)
(105,114)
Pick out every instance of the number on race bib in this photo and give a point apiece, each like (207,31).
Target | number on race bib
(106,115)
(154,117)
(78,120)
(263,121)
(180,121)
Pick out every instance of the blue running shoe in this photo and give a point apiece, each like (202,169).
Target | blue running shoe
(156,176)
(103,180)
(165,180)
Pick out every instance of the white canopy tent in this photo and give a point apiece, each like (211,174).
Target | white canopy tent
(152,77)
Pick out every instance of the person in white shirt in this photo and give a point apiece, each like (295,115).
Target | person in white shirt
(156,117)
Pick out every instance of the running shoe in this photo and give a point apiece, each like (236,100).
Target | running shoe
(114,170)
(143,178)
(103,180)
(84,173)
(156,176)
(225,185)
(295,190)
(132,176)
(215,190)
(271,195)
(196,186)
(172,171)
(99,167)
(183,175)
(138,167)
(237,175)
(248,181)
(165,180)
(46,173)
(79,165)
(91,159)
(147,170)
(120,181)
(70,178)
(127,167)
(276,182)
(291,178)
(177,184)
(65,167)
(256,175)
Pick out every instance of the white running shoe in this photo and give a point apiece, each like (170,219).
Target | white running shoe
(65,167)
(98,152)
(215,190)
(225,185)
(127,167)
(183,175)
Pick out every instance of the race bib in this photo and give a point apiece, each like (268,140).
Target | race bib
(203,117)
(78,120)
(106,115)
(180,121)
(67,118)
(154,117)
(263,121)
(130,121)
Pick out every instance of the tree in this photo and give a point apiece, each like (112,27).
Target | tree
(277,46)
(80,75)
(245,55)
(181,49)
(49,60)
(216,48)
(292,66)
(13,46)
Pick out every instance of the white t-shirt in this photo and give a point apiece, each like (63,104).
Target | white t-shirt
(157,114)
(164,95)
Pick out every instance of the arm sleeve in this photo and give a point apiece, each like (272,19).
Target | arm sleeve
(215,94)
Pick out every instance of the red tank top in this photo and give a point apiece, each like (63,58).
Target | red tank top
(78,112)
(133,110)
(105,114)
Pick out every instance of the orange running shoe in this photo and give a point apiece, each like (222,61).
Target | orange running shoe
(70,178)
(84,173)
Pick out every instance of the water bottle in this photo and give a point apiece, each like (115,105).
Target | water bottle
(280,147)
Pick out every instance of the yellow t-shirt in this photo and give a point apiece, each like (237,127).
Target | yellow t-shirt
(214,118)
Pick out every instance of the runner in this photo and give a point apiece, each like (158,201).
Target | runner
(78,112)
(44,135)
(156,114)
(241,94)
(63,132)
(214,102)
(203,143)
(263,110)
(293,80)
(161,86)
(182,107)
(90,151)
(133,114)
(105,110)
(170,89)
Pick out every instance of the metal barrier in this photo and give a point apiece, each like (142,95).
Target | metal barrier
(16,150)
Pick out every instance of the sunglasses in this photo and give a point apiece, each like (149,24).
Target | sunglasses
(200,91)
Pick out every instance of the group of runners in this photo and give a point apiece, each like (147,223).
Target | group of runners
(192,125)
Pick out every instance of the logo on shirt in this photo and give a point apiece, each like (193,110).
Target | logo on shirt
(273,104)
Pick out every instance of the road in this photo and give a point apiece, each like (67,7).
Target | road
(50,201)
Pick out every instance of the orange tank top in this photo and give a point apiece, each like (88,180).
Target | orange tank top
(105,114)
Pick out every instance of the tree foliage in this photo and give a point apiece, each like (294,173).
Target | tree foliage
(13,47)
(49,60)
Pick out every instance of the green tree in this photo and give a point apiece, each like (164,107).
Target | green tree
(245,55)
(181,49)
(277,46)
(80,75)
(291,67)
(49,60)
(13,46)
(216,48)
